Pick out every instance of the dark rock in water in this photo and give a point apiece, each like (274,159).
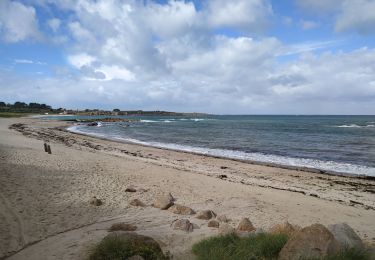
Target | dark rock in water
(206,214)
(137,203)
(122,227)
(346,236)
(93,124)
(95,201)
(164,201)
(312,242)
(183,224)
(182,210)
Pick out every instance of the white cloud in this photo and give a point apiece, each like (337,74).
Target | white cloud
(357,16)
(18,22)
(26,61)
(246,15)
(348,15)
(130,55)
(304,47)
(23,61)
(116,72)
(82,59)
(54,24)
(183,15)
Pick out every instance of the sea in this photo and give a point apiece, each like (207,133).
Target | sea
(337,144)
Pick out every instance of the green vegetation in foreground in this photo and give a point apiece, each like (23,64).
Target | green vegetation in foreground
(120,248)
(262,246)
(350,254)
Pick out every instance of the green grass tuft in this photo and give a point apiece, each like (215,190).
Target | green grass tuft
(350,254)
(13,114)
(262,246)
(120,248)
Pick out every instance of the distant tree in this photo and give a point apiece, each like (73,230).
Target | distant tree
(116,110)
(20,104)
(2,104)
(34,105)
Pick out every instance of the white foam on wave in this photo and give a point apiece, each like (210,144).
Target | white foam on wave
(148,121)
(170,120)
(355,126)
(257,157)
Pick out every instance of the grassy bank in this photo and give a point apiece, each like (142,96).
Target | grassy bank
(13,114)
(262,246)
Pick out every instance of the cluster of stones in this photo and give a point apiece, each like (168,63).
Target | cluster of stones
(315,241)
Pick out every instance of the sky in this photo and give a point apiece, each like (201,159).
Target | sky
(213,56)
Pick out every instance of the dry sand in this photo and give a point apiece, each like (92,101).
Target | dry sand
(44,199)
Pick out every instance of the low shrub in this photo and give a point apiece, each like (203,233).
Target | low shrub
(122,246)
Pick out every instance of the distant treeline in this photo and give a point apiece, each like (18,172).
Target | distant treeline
(36,108)
(22,107)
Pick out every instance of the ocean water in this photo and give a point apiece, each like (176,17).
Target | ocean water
(344,144)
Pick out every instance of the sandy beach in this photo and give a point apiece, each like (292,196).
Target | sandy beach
(44,199)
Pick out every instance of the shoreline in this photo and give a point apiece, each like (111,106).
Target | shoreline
(62,126)
(49,193)
(253,162)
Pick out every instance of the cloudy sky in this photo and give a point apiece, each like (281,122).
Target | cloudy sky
(216,56)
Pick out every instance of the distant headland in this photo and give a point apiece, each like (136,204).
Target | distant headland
(21,108)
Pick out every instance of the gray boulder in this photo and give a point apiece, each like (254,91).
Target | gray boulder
(245,225)
(312,242)
(346,236)
(95,201)
(137,203)
(164,201)
(225,229)
(182,210)
(183,224)
(223,218)
(206,214)
(213,223)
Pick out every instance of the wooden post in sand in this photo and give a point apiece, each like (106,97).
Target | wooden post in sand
(45,147)
(49,149)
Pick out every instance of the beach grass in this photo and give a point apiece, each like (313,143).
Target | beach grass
(350,254)
(262,246)
(13,114)
(118,247)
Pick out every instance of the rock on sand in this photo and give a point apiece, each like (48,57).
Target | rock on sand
(312,242)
